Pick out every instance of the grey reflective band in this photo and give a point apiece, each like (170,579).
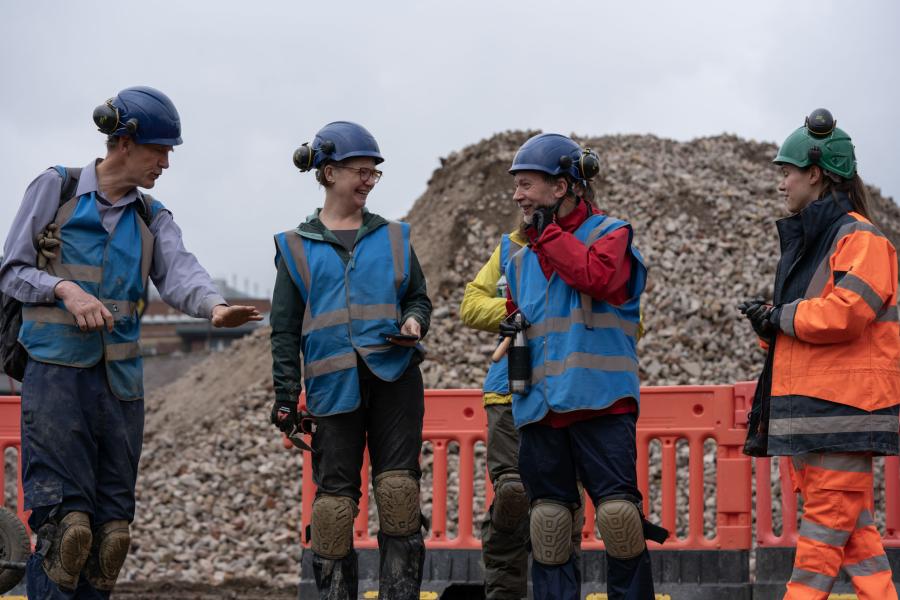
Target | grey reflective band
(395,234)
(65,211)
(332,364)
(47,314)
(786,322)
(864,519)
(578,317)
(826,535)
(295,245)
(341,316)
(868,566)
(855,284)
(517,259)
(594,235)
(816,425)
(367,350)
(582,360)
(817,581)
(120,309)
(823,272)
(839,461)
(888,314)
(89,273)
(124,351)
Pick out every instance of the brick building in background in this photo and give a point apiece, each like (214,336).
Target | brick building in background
(165,330)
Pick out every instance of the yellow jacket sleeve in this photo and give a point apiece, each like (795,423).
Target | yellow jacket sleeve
(481,308)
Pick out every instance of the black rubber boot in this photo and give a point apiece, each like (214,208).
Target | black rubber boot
(400,566)
(336,579)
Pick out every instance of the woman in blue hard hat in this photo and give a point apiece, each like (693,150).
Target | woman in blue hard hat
(829,393)
(577,285)
(350,297)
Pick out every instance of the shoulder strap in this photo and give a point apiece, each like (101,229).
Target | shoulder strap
(70,177)
(143,207)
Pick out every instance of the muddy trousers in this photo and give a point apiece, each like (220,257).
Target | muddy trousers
(602,453)
(837,531)
(388,422)
(504,548)
(80,451)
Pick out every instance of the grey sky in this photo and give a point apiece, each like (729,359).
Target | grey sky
(254,80)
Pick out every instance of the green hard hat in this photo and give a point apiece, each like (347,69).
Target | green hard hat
(819,142)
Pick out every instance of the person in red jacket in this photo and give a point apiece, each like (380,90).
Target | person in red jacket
(577,285)
(829,393)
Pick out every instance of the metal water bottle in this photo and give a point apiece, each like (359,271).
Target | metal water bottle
(519,358)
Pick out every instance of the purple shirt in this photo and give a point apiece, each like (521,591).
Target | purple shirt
(177,274)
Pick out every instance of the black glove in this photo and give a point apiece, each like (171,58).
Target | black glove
(284,414)
(763,317)
(542,217)
(511,326)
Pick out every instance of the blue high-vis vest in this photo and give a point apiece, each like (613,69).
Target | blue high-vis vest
(583,351)
(349,309)
(113,267)
(497,379)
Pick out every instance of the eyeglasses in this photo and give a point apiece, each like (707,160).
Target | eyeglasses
(365,173)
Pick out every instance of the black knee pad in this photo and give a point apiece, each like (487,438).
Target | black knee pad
(510,503)
(111,543)
(69,548)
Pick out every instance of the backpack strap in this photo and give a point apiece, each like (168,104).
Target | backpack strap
(144,207)
(70,177)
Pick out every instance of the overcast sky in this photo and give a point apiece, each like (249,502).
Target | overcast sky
(253,80)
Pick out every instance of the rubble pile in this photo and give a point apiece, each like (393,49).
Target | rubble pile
(219,498)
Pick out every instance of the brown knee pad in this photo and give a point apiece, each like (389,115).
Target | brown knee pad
(551,532)
(332,526)
(70,545)
(111,543)
(397,497)
(510,503)
(621,527)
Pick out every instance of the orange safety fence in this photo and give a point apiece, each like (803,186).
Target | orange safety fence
(669,415)
(10,437)
(787,506)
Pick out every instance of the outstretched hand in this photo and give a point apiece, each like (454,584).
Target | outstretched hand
(234,316)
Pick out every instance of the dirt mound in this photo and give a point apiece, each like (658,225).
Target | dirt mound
(218,498)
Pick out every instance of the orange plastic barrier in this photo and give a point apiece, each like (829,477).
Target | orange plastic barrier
(10,437)
(668,414)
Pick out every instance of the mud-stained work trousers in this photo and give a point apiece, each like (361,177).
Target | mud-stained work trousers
(837,531)
(80,451)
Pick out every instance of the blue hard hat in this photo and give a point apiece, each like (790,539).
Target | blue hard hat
(343,139)
(556,154)
(146,114)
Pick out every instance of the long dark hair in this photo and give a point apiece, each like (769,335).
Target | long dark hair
(854,188)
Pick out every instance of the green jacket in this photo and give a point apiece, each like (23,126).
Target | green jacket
(288,308)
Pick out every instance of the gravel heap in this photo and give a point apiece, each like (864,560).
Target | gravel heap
(219,498)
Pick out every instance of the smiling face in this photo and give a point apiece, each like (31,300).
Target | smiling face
(144,163)
(345,182)
(534,189)
(799,187)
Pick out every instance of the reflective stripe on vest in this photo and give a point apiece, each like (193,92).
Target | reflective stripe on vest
(497,379)
(583,351)
(349,308)
(112,267)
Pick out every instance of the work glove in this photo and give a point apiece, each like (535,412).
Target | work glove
(511,326)
(47,245)
(284,414)
(763,317)
(541,218)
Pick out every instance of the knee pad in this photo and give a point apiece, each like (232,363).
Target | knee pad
(70,545)
(510,503)
(108,552)
(551,532)
(397,497)
(621,527)
(332,526)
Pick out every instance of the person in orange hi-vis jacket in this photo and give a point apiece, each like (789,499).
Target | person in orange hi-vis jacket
(829,394)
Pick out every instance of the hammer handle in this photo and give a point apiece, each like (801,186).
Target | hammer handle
(502,347)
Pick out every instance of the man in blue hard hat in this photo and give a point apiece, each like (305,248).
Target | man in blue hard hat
(78,257)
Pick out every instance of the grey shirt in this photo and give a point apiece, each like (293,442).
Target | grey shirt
(181,280)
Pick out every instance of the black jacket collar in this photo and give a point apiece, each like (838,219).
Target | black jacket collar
(813,220)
